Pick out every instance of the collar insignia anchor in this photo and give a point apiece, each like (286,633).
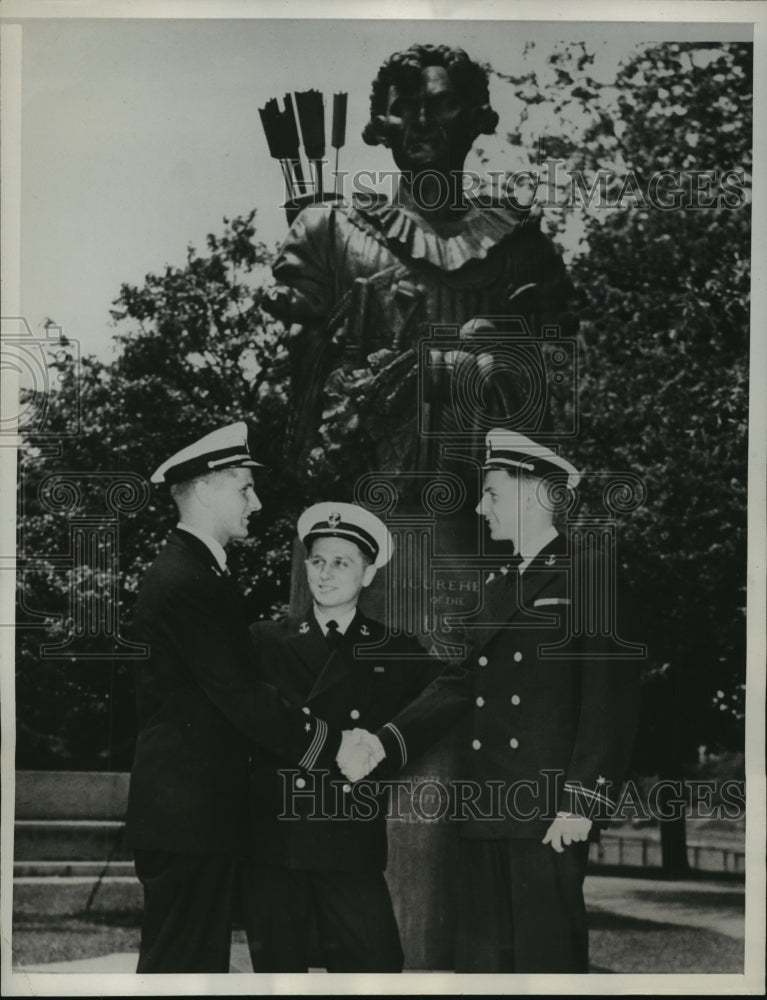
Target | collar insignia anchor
(304,628)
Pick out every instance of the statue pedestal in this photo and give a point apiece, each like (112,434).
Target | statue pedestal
(423,857)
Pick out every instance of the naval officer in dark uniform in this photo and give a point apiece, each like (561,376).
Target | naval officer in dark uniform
(555,710)
(318,846)
(201,708)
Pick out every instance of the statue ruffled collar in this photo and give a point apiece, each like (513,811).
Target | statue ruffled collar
(469,238)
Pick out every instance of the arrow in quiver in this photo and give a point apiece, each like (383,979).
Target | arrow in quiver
(338,131)
(311,115)
(282,139)
(291,132)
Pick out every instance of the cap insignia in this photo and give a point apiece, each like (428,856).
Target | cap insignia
(334,520)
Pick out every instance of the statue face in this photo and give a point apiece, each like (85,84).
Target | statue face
(432,126)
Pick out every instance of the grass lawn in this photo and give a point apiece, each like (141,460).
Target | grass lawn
(622,944)
(618,944)
(64,939)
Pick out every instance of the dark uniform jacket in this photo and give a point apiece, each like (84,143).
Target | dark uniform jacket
(201,708)
(349,689)
(552,729)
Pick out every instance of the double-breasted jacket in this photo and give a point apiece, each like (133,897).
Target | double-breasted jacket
(553,694)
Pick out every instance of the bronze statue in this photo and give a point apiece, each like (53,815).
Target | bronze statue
(361,286)
(361,283)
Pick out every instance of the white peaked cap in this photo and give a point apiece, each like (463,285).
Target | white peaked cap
(511,449)
(225,448)
(332,519)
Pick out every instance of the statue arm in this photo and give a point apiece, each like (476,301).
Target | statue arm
(305,270)
(554,288)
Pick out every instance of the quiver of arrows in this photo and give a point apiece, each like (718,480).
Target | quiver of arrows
(281,132)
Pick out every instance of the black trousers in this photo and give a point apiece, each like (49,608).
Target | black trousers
(351,912)
(521,908)
(187,924)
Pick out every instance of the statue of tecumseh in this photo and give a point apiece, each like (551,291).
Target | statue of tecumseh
(372,276)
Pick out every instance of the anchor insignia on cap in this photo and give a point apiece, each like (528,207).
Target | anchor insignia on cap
(334,520)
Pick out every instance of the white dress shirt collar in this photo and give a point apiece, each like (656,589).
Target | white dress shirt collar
(535,545)
(216,548)
(323,617)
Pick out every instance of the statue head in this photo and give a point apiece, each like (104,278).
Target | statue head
(428,105)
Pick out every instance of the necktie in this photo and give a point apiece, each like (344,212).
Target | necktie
(220,570)
(512,567)
(333,636)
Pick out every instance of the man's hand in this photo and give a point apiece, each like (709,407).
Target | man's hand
(567,829)
(359,754)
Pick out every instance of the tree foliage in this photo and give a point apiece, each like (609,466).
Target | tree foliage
(664,375)
(194,351)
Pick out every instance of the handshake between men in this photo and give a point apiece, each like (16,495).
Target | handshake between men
(359,754)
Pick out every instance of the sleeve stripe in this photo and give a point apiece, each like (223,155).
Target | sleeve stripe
(400,740)
(309,759)
(551,600)
(576,789)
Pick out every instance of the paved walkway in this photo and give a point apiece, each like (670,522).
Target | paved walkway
(713,906)
(125,961)
(637,925)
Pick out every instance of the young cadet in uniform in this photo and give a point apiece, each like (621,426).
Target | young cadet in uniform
(552,730)
(319,849)
(200,710)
